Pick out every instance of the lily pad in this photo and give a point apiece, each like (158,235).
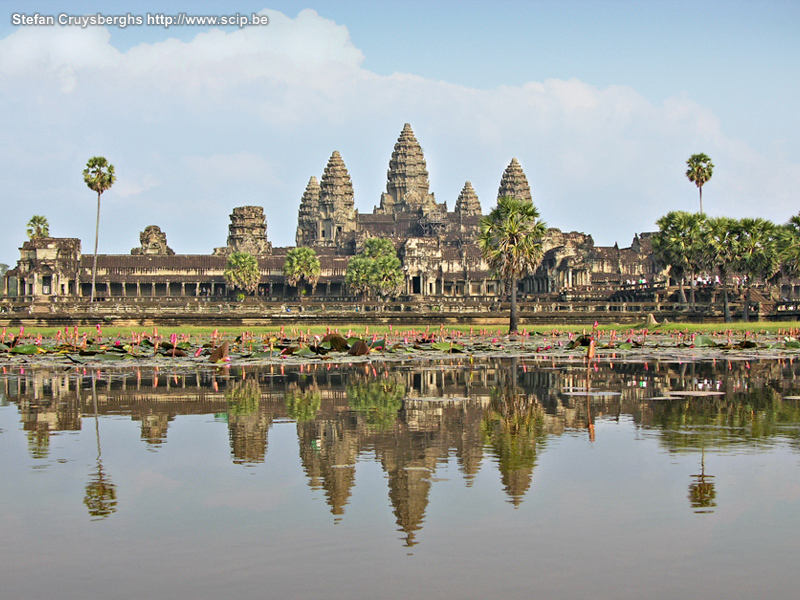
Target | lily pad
(450,347)
(28,349)
(305,352)
(358,348)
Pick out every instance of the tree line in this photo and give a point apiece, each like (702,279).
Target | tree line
(756,251)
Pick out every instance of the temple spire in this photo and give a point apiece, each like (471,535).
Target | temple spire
(337,213)
(467,203)
(308,214)
(407,186)
(514,183)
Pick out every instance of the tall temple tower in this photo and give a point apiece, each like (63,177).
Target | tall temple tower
(407,186)
(247,232)
(467,204)
(514,183)
(308,215)
(327,215)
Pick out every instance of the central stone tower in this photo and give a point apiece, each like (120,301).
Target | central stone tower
(407,187)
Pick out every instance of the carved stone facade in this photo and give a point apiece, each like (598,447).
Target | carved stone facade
(47,267)
(153,242)
(247,232)
(437,248)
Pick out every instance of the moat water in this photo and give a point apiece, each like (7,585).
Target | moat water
(518,478)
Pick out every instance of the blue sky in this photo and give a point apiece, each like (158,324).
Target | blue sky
(601,102)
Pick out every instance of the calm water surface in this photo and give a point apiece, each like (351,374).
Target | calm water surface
(506,479)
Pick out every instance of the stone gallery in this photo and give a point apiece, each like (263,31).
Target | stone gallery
(437,247)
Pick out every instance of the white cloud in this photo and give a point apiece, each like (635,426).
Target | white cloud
(245,117)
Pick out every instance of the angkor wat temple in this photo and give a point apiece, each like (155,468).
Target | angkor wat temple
(437,247)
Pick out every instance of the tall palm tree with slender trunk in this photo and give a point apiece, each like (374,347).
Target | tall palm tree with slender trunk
(99,176)
(700,169)
(510,240)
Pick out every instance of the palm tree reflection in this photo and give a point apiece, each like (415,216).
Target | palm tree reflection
(513,426)
(702,495)
(101,493)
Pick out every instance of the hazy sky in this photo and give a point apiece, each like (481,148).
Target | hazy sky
(602,102)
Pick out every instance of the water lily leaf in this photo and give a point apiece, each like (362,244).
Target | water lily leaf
(173,353)
(449,347)
(111,357)
(28,349)
(304,352)
(118,349)
(266,354)
(336,342)
(704,341)
(359,348)
(378,344)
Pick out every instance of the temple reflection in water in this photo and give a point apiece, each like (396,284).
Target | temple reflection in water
(412,418)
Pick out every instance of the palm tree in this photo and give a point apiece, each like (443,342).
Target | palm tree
(758,256)
(376,247)
(99,176)
(678,244)
(788,241)
(38,227)
(722,247)
(376,268)
(699,172)
(358,275)
(242,272)
(510,240)
(302,264)
(387,275)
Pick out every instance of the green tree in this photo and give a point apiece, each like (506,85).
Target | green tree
(510,240)
(242,272)
(699,171)
(302,265)
(722,249)
(788,244)
(679,244)
(38,227)
(376,247)
(99,176)
(758,256)
(376,269)
(358,272)
(387,275)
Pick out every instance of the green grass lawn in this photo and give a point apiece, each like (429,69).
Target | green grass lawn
(360,330)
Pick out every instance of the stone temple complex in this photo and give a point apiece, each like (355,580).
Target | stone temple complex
(437,247)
